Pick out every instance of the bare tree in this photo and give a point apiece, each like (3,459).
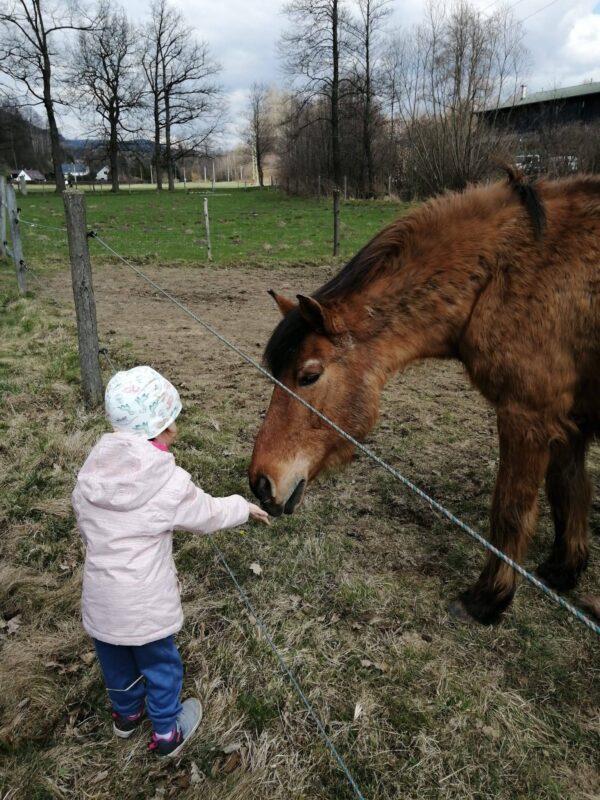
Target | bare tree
(261,132)
(32,35)
(106,78)
(313,50)
(180,76)
(448,70)
(365,31)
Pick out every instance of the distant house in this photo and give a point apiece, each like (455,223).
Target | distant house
(78,170)
(30,175)
(532,112)
(102,174)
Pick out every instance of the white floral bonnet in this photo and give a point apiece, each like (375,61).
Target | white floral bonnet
(141,401)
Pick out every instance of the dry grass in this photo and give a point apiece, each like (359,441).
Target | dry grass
(354,590)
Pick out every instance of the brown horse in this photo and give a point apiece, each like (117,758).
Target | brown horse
(506,279)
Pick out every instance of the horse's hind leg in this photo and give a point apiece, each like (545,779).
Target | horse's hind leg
(524,454)
(570,494)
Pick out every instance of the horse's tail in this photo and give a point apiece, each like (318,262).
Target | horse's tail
(529,196)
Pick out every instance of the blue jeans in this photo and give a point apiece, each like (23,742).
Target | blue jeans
(159,665)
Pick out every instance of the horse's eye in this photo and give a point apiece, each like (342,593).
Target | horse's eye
(311,377)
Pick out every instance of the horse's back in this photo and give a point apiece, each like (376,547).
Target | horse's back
(534,334)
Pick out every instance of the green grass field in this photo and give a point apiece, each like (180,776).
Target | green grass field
(249,226)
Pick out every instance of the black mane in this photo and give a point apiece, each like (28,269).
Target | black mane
(285,342)
(530,198)
(288,336)
(361,267)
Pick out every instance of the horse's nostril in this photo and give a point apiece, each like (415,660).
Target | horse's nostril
(262,489)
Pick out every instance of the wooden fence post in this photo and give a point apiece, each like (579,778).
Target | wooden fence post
(22,185)
(15,235)
(3,252)
(207,226)
(336,222)
(83,294)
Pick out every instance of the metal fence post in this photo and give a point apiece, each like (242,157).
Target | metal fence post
(3,252)
(15,235)
(83,294)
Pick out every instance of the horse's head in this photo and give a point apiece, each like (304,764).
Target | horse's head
(318,353)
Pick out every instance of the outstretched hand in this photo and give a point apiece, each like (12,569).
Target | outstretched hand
(259,515)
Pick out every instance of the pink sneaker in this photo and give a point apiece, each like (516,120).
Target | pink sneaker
(123,727)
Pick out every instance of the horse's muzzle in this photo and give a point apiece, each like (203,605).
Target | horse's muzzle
(263,489)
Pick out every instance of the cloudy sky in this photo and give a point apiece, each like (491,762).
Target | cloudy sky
(563,38)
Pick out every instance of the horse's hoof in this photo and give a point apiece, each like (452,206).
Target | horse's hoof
(480,605)
(457,610)
(559,577)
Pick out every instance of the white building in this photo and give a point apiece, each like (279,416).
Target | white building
(30,175)
(102,174)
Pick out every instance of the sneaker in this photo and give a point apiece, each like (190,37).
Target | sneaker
(187,724)
(123,726)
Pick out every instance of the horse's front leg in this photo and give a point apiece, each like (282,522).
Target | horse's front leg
(524,453)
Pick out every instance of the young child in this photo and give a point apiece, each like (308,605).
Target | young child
(128,498)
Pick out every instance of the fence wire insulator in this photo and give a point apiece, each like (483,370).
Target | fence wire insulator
(103,351)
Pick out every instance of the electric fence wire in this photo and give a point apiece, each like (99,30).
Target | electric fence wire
(433,504)
(103,351)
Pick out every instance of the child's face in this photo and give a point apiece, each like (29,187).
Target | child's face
(169,435)
(172,432)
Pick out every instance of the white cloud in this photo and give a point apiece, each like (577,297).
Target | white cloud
(582,46)
(563,40)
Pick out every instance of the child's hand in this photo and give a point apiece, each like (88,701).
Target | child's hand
(258,515)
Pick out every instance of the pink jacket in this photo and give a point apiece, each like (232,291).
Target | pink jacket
(128,498)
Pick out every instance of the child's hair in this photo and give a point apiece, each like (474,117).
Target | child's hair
(142,402)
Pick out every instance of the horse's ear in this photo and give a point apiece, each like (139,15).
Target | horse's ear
(285,305)
(318,317)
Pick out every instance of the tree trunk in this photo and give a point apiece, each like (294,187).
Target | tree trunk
(367,127)
(259,163)
(335,92)
(168,154)
(59,178)
(113,152)
(157,151)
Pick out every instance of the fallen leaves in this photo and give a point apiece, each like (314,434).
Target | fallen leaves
(100,776)
(195,775)
(85,660)
(232,762)
(256,568)
(380,666)
(11,626)
(232,759)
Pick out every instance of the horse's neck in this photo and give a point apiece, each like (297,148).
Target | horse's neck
(420,313)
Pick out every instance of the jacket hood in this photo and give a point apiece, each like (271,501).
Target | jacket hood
(124,471)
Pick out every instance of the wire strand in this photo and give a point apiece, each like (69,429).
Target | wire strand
(273,647)
(39,225)
(433,504)
(284,667)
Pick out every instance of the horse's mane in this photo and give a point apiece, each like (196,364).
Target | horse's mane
(287,337)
